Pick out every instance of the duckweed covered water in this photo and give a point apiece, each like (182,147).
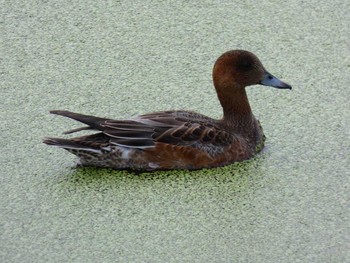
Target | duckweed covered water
(116,59)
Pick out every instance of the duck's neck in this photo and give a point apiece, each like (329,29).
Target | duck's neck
(235,106)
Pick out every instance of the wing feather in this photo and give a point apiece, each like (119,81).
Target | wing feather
(171,127)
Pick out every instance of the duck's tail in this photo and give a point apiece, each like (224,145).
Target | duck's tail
(64,143)
(90,143)
(74,146)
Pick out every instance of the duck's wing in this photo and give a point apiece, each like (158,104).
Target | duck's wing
(180,128)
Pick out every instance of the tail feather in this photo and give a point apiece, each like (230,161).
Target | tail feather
(70,145)
(61,142)
(92,121)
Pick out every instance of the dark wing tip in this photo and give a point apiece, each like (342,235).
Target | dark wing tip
(60,112)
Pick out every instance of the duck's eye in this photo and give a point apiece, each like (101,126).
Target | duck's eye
(245,65)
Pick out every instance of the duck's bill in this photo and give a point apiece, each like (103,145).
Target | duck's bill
(272,81)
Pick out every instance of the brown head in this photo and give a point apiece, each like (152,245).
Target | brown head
(235,70)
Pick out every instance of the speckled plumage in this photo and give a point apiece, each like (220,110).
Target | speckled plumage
(180,139)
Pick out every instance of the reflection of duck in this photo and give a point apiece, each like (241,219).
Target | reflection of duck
(180,139)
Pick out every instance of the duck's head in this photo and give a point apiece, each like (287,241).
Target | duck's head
(236,69)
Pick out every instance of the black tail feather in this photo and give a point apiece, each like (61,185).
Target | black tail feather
(71,144)
(60,142)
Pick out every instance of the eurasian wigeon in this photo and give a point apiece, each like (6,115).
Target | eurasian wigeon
(180,139)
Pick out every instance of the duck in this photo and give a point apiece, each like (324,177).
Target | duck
(179,139)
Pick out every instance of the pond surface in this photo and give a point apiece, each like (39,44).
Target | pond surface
(119,59)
